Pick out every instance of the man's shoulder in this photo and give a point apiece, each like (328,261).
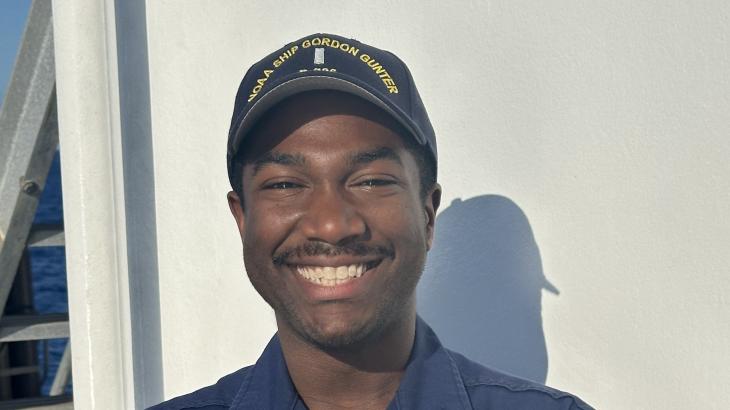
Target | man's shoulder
(214,397)
(490,388)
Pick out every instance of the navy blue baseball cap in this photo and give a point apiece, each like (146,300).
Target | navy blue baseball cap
(329,62)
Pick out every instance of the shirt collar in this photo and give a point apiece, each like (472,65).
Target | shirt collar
(267,385)
(431,380)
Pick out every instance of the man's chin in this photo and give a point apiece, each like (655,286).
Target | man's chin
(337,335)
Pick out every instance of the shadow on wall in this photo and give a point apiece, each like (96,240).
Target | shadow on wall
(482,287)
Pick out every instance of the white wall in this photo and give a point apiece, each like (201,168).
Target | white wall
(584,144)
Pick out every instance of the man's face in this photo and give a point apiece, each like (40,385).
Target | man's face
(334,229)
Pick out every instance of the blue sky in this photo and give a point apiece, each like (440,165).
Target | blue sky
(12,21)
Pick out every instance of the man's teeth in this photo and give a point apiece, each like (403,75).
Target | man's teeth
(331,275)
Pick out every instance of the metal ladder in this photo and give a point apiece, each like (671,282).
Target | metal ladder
(28,142)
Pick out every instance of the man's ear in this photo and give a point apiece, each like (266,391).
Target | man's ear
(433,200)
(236,206)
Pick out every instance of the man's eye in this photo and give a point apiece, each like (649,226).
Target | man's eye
(371,183)
(282,185)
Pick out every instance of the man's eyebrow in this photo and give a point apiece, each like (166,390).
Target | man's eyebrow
(277,158)
(374,155)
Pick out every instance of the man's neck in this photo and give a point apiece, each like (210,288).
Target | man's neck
(365,377)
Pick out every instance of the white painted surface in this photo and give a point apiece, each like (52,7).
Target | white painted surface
(93,199)
(592,137)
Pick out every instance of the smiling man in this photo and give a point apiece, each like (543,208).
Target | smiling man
(332,160)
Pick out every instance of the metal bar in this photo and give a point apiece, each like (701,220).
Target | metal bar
(64,402)
(34,327)
(60,380)
(16,236)
(25,105)
(14,371)
(28,139)
(46,235)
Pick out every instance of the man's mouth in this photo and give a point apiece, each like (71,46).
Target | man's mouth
(334,275)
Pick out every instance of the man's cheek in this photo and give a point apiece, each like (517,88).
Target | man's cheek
(407,222)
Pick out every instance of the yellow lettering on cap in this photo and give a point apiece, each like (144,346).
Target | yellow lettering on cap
(365,58)
(268,72)
(316,41)
(306,43)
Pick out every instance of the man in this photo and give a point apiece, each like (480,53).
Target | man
(332,160)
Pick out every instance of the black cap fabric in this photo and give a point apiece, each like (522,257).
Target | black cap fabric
(329,62)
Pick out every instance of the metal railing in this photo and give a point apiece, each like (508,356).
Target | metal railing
(28,142)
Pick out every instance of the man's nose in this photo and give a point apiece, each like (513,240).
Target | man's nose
(332,218)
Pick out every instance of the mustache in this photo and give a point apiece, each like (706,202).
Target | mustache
(324,249)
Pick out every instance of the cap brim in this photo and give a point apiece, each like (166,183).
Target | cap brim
(310,83)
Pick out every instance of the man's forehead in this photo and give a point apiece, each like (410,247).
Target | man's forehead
(352,159)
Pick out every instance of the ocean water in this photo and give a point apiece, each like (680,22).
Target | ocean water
(48,266)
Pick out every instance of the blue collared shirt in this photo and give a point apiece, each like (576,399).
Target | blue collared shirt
(435,378)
